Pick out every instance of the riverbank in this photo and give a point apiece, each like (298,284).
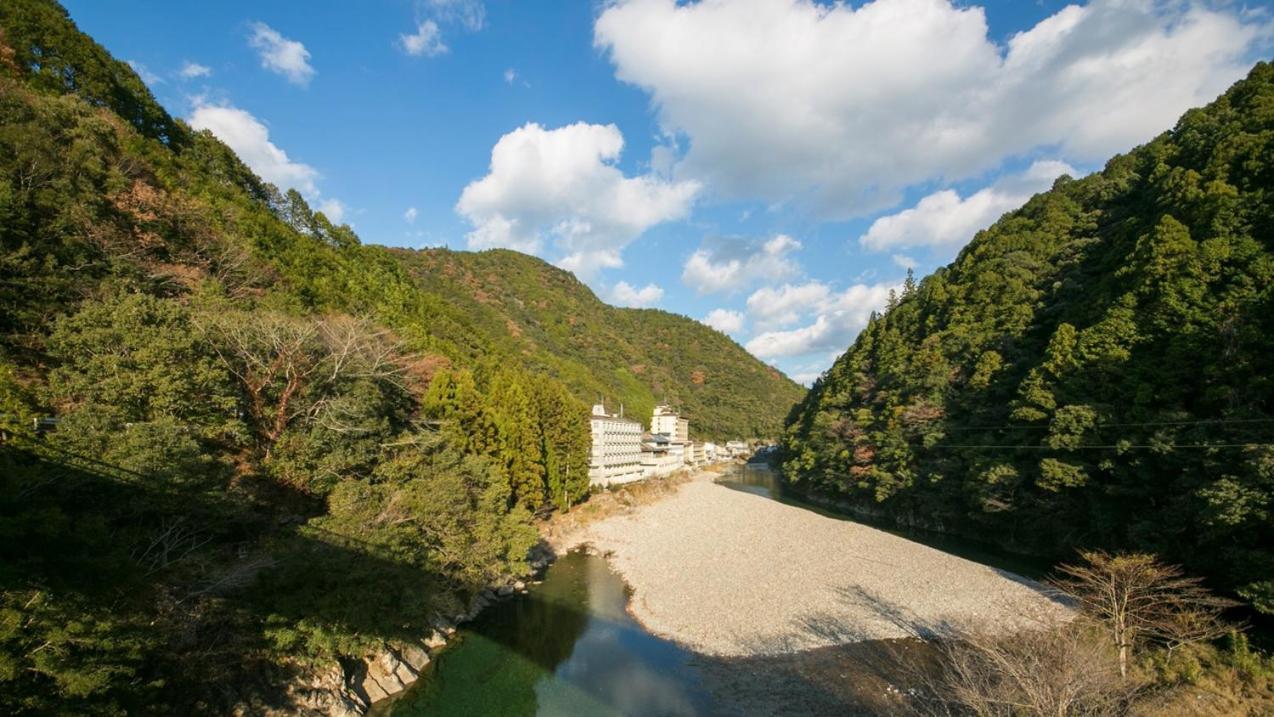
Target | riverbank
(731,574)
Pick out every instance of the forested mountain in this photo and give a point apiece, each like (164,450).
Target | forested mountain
(1095,369)
(634,357)
(234,441)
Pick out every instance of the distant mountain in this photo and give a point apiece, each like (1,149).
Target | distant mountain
(1095,369)
(634,358)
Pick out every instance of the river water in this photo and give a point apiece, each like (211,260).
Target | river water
(569,646)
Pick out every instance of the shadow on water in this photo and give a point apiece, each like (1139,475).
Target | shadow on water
(760,479)
(569,647)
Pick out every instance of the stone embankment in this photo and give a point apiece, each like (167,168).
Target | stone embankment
(350,690)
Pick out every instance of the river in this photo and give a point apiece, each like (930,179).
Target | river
(567,647)
(570,647)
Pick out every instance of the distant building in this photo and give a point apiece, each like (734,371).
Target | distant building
(710,451)
(695,453)
(658,457)
(617,452)
(736,449)
(667,422)
(664,420)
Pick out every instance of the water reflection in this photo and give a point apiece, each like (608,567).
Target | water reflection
(567,648)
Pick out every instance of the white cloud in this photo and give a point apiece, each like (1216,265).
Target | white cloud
(510,76)
(144,72)
(725,320)
(841,106)
(472,14)
(250,139)
(785,305)
(902,261)
(945,219)
(191,70)
(624,294)
(409,216)
(727,265)
(333,209)
(562,186)
(427,40)
(837,320)
(281,55)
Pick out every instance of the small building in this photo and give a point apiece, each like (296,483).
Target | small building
(737,449)
(695,453)
(660,456)
(710,451)
(617,453)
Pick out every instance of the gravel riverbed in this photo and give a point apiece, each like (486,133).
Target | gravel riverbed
(733,574)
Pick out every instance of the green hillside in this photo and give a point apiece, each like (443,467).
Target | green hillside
(634,357)
(1096,369)
(236,444)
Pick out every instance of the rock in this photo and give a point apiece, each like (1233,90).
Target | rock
(519,586)
(385,675)
(504,590)
(435,640)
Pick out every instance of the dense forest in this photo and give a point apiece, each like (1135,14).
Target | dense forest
(1094,370)
(236,442)
(633,357)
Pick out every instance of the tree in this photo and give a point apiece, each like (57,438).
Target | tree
(1139,599)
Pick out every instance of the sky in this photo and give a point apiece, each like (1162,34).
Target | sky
(769,167)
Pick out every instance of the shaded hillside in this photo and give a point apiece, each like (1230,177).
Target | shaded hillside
(634,357)
(1095,369)
(237,445)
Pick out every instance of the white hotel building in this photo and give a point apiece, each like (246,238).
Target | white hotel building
(616,456)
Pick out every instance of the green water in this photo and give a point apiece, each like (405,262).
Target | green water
(568,647)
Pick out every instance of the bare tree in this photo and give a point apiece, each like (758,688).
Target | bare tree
(1054,669)
(294,368)
(1138,599)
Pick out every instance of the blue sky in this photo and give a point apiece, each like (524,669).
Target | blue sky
(768,166)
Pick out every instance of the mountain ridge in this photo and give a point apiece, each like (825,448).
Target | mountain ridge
(1093,370)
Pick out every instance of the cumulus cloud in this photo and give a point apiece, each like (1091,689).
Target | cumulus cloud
(281,55)
(250,139)
(841,106)
(558,191)
(772,307)
(409,216)
(728,265)
(426,40)
(725,320)
(191,70)
(837,319)
(945,219)
(625,294)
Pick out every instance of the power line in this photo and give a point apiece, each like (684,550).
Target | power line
(1212,421)
(1106,446)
